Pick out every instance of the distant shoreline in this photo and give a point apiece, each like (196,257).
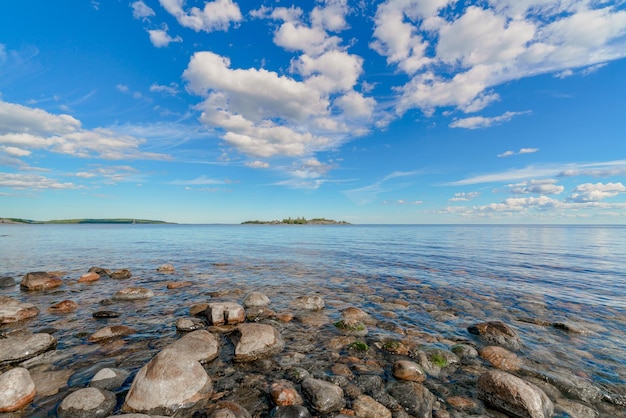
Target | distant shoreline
(18,221)
(298,221)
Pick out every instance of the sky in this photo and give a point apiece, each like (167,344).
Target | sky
(397,111)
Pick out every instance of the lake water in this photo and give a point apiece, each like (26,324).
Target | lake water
(446,277)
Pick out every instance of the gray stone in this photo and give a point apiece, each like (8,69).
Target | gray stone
(40,280)
(225,313)
(256,341)
(574,387)
(324,397)
(290,411)
(464,351)
(121,274)
(109,378)
(87,403)
(12,310)
(497,333)
(366,407)
(49,382)
(22,347)
(17,389)
(415,398)
(228,409)
(200,345)
(110,332)
(310,303)
(256,299)
(189,324)
(133,293)
(7,281)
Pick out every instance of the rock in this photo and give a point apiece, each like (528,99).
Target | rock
(199,309)
(496,332)
(283,393)
(48,383)
(415,398)
(12,310)
(40,280)
(189,324)
(324,397)
(113,331)
(89,277)
(501,358)
(512,395)
(106,314)
(17,389)
(133,293)
(355,313)
(15,349)
(366,407)
(291,411)
(100,271)
(464,404)
(109,378)
(171,381)
(200,345)
(574,387)
(228,409)
(408,370)
(65,306)
(258,313)
(575,409)
(87,403)
(121,274)
(221,313)
(255,299)
(309,303)
(256,341)
(178,285)
(351,326)
(464,351)
(7,281)
(434,360)
(166,268)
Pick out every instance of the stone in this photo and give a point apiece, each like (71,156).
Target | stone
(109,378)
(121,274)
(49,382)
(324,397)
(350,326)
(510,394)
(89,277)
(170,382)
(110,332)
(414,397)
(464,404)
(255,299)
(501,358)
(258,313)
(496,332)
(65,306)
(133,293)
(15,349)
(7,281)
(352,312)
(408,370)
(87,403)
(464,351)
(178,285)
(366,407)
(256,341)
(309,303)
(291,411)
(17,389)
(575,409)
(106,314)
(40,280)
(12,310)
(283,393)
(574,387)
(100,271)
(166,268)
(228,409)
(225,313)
(200,345)
(199,309)
(189,324)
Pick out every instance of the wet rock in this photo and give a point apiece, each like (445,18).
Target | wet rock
(100,271)
(351,326)
(323,396)
(133,293)
(496,332)
(113,331)
(89,277)
(464,351)
(256,341)
(256,299)
(87,403)
(12,310)
(574,409)
(40,280)
(48,383)
(109,378)
(464,404)
(16,389)
(65,306)
(574,387)
(178,285)
(121,274)
(258,313)
(171,381)
(355,313)
(435,360)
(415,398)
(7,281)
(22,347)
(408,370)
(366,407)
(225,313)
(291,411)
(189,324)
(200,345)
(283,393)
(166,268)
(298,374)
(199,309)
(369,383)
(228,409)
(309,303)
(512,395)
(106,314)
(501,358)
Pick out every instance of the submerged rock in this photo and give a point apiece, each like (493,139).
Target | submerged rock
(113,331)
(17,389)
(133,293)
(40,280)
(89,277)
(22,347)
(12,310)
(408,370)
(121,274)
(309,303)
(189,324)
(324,397)
(109,378)
(166,268)
(7,281)
(283,393)
(65,306)
(415,398)
(87,403)
(496,332)
(291,411)
(228,409)
(501,358)
(256,341)
(366,407)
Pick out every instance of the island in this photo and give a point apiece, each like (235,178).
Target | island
(298,221)
(81,221)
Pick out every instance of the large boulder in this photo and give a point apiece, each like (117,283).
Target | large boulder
(255,299)
(496,332)
(225,313)
(40,280)
(324,397)
(171,381)
(87,403)
(16,389)
(15,349)
(12,310)
(256,341)
(513,396)
(200,345)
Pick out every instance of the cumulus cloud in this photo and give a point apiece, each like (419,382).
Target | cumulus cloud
(216,15)
(160,38)
(476,122)
(590,192)
(543,186)
(32,182)
(464,196)
(258,164)
(141,10)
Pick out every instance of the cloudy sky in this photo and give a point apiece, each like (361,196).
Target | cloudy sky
(397,111)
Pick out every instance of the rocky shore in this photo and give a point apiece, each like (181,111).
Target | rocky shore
(105,343)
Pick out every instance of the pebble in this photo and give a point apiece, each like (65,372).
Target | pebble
(228,409)
(110,332)
(65,306)
(121,274)
(23,347)
(87,403)
(100,271)
(7,281)
(283,393)
(40,280)
(12,310)
(366,407)
(133,293)
(89,277)
(501,358)
(17,389)
(166,268)
(178,285)
(414,397)
(291,411)
(408,370)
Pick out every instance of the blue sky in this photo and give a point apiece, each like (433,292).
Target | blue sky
(402,111)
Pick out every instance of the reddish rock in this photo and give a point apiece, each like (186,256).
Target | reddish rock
(89,277)
(166,268)
(65,306)
(178,285)
(199,309)
(121,274)
(225,313)
(110,332)
(283,393)
(501,358)
(513,396)
(40,280)
(16,389)
(496,332)
(463,403)
(12,310)
(408,370)
(366,407)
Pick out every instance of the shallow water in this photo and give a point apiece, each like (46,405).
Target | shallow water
(426,280)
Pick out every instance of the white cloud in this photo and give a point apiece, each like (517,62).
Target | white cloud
(464,196)
(520,152)
(333,71)
(257,164)
(199,181)
(141,10)
(544,186)
(123,88)
(590,192)
(32,182)
(15,151)
(216,15)
(160,38)
(172,89)
(356,105)
(476,122)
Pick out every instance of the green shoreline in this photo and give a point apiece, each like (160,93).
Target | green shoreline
(298,221)
(81,221)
